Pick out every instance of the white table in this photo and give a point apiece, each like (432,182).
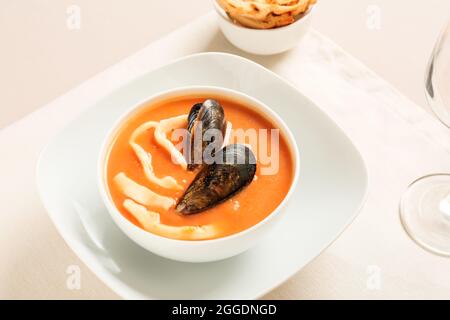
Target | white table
(373,258)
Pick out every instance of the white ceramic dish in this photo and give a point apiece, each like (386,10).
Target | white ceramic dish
(264,42)
(205,250)
(328,196)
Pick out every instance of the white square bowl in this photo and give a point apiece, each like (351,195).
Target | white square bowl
(331,190)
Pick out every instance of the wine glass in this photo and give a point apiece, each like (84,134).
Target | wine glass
(425,206)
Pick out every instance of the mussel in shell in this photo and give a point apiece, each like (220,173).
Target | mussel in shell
(206,128)
(234,169)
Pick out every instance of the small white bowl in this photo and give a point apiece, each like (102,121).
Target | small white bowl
(199,250)
(264,41)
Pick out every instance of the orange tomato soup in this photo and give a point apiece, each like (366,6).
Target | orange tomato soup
(245,209)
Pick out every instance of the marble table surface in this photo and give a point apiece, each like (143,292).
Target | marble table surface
(373,258)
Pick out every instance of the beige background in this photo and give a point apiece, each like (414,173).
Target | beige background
(41,58)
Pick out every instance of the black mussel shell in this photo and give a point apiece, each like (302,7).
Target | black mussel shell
(211,116)
(234,169)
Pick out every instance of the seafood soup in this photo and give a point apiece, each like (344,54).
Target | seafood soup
(198,167)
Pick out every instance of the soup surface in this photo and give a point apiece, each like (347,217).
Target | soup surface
(243,210)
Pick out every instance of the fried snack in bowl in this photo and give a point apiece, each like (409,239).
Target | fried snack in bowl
(264,27)
(265,14)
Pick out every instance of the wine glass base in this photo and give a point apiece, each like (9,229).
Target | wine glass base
(425,213)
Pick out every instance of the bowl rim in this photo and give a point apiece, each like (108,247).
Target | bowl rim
(222,14)
(194,89)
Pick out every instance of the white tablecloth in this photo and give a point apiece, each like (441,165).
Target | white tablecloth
(373,258)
